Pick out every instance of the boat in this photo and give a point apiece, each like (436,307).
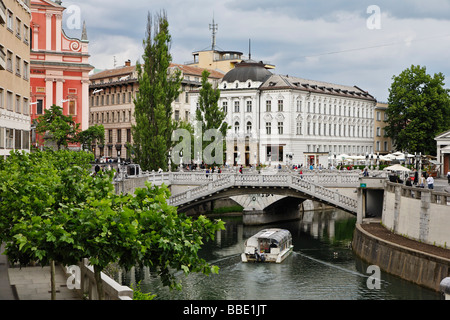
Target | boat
(268,245)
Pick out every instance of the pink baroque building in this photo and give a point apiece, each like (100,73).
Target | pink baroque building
(59,66)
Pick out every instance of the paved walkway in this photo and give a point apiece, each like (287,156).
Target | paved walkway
(33,283)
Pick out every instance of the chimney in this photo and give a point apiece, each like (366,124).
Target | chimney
(128,63)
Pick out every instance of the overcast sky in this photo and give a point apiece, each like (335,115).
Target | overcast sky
(337,41)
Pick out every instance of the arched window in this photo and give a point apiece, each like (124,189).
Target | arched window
(236,127)
(249,127)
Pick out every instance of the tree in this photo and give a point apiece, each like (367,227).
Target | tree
(210,116)
(54,209)
(36,193)
(91,134)
(419,109)
(60,128)
(159,86)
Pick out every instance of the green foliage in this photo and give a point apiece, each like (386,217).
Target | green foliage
(61,128)
(91,134)
(159,86)
(139,295)
(419,109)
(208,112)
(53,209)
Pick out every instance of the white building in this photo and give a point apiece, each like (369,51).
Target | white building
(277,119)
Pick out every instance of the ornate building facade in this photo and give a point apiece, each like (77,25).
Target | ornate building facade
(278,119)
(382,143)
(15,19)
(112,93)
(59,64)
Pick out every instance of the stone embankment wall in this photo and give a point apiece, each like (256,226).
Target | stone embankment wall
(415,266)
(419,214)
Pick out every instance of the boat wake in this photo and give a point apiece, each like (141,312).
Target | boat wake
(330,264)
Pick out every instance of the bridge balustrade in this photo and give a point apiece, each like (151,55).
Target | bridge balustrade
(296,182)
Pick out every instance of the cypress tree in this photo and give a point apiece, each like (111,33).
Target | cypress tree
(159,86)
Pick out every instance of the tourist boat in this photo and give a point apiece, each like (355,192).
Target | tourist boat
(268,245)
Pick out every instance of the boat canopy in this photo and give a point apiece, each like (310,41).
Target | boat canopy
(279,235)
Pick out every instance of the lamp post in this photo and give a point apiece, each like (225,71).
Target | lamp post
(169,159)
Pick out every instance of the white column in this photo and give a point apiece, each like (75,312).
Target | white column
(48,92)
(85,104)
(35,37)
(59,93)
(48,34)
(58,31)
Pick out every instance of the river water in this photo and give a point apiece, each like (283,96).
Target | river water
(321,267)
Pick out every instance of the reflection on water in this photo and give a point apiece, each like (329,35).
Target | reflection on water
(322,267)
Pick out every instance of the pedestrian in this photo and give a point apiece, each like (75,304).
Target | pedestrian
(448,176)
(416,177)
(430,182)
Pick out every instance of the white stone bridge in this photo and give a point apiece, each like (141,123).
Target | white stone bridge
(208,187)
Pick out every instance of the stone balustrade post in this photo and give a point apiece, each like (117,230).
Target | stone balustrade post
(445,287)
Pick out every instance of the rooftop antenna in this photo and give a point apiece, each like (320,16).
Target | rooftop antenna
(249,49)
(213,28)
(115,61)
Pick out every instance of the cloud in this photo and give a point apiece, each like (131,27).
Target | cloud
(321,40)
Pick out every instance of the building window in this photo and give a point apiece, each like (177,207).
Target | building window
(249,106)
(39,106)
(10,23)
(299,105)
(280,105)
(26,72)
(18,28)
(18,104)
(26,107)
(378,132)
(119,135)
(9,63)
(18,65)
(236,106)
(236,127)
(268,106)
(26,34)
(280,128)
(2,138)
(225,106)
(72,107)
(249,127)
(268,128)
(299,128)
(385,146)
(2,99)
(9,138)
(177,115)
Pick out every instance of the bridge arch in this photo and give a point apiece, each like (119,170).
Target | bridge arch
(281,184)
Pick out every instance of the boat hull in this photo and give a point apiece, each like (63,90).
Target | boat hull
(268,257)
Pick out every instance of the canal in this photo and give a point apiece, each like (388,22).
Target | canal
(321,267)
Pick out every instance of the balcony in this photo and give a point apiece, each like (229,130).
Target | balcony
(2,12)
